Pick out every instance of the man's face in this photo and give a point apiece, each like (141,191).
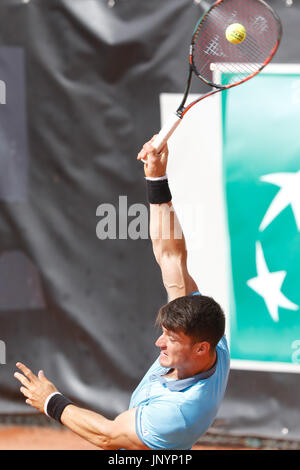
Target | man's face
(176,349)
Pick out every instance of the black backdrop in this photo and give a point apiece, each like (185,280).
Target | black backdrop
(82,95)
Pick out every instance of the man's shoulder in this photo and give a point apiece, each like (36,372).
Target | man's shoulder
(222,346)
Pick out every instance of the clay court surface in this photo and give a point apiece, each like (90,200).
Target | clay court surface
(40,438)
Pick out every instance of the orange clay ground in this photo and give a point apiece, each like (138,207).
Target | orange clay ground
(41,438)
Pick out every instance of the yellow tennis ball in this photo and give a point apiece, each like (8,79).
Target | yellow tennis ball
(235,33)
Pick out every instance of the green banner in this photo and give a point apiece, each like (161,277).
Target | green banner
(261,155)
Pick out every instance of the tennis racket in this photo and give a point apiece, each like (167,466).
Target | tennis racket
(223,60)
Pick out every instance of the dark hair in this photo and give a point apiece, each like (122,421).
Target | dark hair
(197,316)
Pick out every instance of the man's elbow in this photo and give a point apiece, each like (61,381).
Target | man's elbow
(104,439)
(171,258)
(102,443)
(111,438)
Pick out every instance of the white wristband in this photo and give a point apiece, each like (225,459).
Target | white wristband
(47,401)
(159,178)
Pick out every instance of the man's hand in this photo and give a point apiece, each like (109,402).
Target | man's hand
(35,388)
(155,162)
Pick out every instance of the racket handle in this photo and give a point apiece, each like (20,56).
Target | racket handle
(167,130)
(165,133)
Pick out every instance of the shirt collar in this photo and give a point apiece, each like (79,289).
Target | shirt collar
(179,385)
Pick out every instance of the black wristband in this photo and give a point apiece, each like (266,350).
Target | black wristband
(56,406)
(158,191)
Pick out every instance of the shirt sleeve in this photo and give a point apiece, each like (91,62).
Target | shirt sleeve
(160,425)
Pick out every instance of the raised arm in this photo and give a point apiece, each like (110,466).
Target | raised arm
(166,234)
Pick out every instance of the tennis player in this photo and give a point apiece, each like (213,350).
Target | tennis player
(179,397)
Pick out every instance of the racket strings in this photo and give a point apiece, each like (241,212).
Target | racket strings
(212,50)
(226,17)
(204,67)
(249,53)
(236,56)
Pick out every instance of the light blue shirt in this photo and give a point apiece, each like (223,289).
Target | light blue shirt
(173,414)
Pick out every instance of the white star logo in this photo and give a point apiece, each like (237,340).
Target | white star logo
(289,194)
(268,285)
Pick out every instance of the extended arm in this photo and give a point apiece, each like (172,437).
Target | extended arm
(95,428)
(166,234)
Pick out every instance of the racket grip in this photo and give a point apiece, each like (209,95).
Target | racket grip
(165,133)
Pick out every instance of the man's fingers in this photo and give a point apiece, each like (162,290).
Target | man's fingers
(42,376)
(147,148)
(22,379)
(154,152)
(152,155)
(30,375)
(25,392)
(142,155)
(164,156)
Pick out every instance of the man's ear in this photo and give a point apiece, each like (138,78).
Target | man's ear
(202,348)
